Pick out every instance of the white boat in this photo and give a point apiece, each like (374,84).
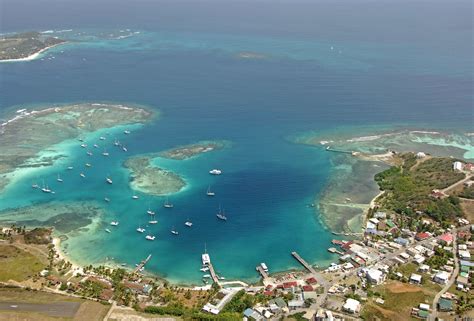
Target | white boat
(35,185)
(174,232)
(105,153)
(102,138)
(82,175)
(152,218)
(107,199)
(153,222)
(126,132)
(188,223)
(89,153)
(135,197)
(221,278)
(205,258)
(150,237)
(221,215)
(264,267)
(206,276)
(150,212)
(215,171)
(83,145)
(114,223)
(45,188)
(88,165)
(80,139)
(209,192)
(167,204)
(70,167)
(140,230)
(107,230)
(116,143)
(124,149)
(96,146)
(204,269)
(59,179)
(108,180)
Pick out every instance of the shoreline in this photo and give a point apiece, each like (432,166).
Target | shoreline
(33,56)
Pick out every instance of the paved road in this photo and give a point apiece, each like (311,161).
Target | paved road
(56,309)
(468,177)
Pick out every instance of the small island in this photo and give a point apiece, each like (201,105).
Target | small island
(40,129)
(192,150)
(26,46)
(150,179)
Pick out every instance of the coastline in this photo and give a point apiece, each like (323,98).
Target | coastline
(33,56)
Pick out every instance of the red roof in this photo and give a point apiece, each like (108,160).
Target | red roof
(268,293)
(288,285)
(106,294)
(269,287)
(447,237)
(347,245)
(422,236)
(311,280)
(307,288)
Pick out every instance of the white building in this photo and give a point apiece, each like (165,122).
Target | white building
(441,277)
(464,255)
(375,276)
(420,155)
(351,306)
(458,166)
(415,278)
(424,268)
(424,306)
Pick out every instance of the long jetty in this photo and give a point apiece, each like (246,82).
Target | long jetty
(142,264)
(329,149)
(262,272)
(303,262)
(213,273)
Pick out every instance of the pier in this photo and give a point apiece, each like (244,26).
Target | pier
(329,149)
(214,277)
(142,264)
(303,262)
(334,250)
(262,272)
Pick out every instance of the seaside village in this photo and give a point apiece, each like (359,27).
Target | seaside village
(395,270)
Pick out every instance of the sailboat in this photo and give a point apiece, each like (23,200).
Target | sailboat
(221,215)
(82,175)
(102,138)
(89,153)
(107,199)
(149,211)
(209,192)
(108,179)
(114,223)
(140,229)
(152,219)
(126,132)
(83,145)
(150,237)
(168,204)
(70,168)
(116,143)
(188,223)
(45,188)
(174,232)
(124,148)
(59,179)
(105,153)
(96,146)
(88,165)
(34,185)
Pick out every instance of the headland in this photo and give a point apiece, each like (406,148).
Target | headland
(26,46)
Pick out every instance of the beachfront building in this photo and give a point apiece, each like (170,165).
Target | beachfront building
(351,306)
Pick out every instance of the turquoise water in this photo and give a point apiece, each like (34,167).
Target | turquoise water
(312,75)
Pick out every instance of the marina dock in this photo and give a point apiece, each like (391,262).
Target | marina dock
(142,264)
(213,273)
(334,250)
(303,262)
(262,272)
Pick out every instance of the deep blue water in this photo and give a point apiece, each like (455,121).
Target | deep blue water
(386,65)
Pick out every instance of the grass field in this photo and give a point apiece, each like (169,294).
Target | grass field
(399,299)
(17,264)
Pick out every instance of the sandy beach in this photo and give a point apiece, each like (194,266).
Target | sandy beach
(33,56)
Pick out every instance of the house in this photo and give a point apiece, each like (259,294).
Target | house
(375,276)
(351,306)
(415,278)
(420,155)
(251,314)
(404,256)
(464,255)
(295,304)
(445,305)
(424,268)
(106,294)
(441,277)
(458,166)
(311,280)
(380,215)
(447,238)
(323,315)
(402,241)
(374,220)
(424,307)
(437,194)
(422,236)
(307,288)
(289,285)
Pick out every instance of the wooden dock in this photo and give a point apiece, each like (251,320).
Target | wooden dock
(303,262)
(213,273)
(142,264)
(262,272)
